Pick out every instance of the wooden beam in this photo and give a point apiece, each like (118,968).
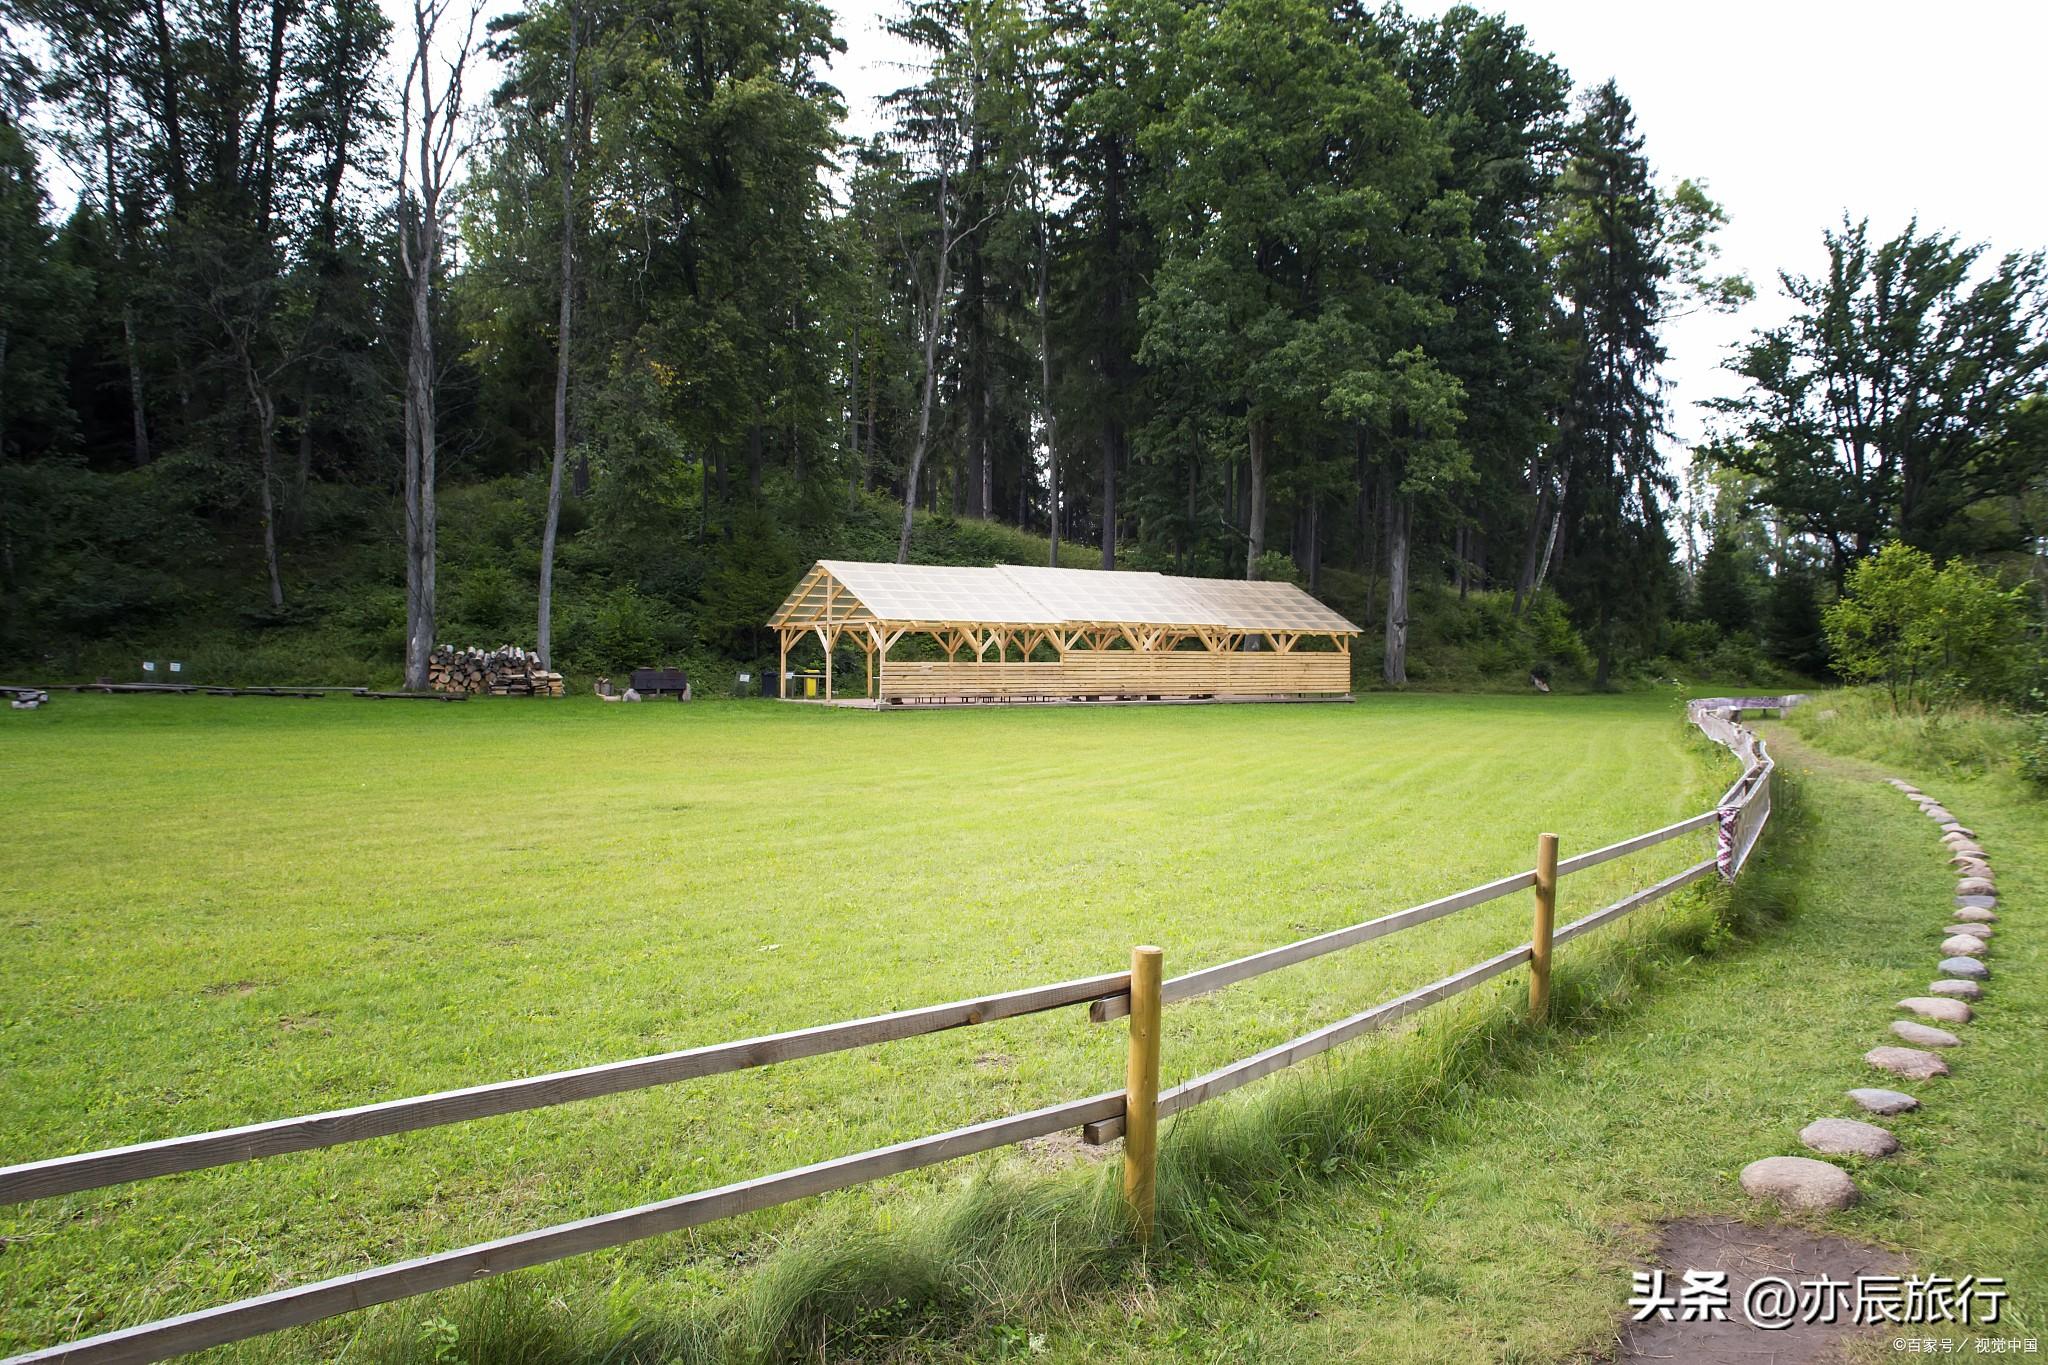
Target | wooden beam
(1634,901)
(1302,950)
(1141,1093)
(1228,1078)
(168,1156)
(346,1293)
(1225,1079)
(1579,862)
(1543,921)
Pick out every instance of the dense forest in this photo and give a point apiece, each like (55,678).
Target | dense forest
(586,327)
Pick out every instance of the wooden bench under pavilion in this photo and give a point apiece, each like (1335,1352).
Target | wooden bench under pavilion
(1014,633)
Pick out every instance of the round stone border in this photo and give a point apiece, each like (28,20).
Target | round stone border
(1804,1183)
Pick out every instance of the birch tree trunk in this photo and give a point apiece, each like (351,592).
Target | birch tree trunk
(140,420)
(853,406)
(430,122)
(6,520)
(1255,512)
(1110,442)
(1400,516)
(935,318)
(1052,439)
(419,467)
(1532,543)
(131,351)
(1550,539)
(266,446)
(544,630)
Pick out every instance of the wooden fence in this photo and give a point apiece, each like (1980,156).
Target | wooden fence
(1131,1113)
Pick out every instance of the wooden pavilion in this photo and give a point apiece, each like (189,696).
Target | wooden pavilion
(1013,633)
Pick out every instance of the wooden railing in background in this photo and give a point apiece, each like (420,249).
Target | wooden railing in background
(1133,1113)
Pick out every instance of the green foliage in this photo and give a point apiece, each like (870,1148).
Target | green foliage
(1621,254)
(1966,737)
(1556,640)
(627,630)
(1893,403)
(1925,634)
(1478,640)
(486,606)
(41,299)
(1724,593)
(742,592)
(1275,567)
(1267,283)
(2033,750)
(103,558)
(1793,629)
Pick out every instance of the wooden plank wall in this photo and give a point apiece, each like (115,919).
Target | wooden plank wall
(1123,673)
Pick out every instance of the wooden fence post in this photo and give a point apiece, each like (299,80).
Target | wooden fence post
(1141,1092)
(1539,932)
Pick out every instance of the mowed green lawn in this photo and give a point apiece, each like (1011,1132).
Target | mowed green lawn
(220,911)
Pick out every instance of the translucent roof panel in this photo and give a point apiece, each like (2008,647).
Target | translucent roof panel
(933,592)
(1118,596)
(1246,605)
(1024,595)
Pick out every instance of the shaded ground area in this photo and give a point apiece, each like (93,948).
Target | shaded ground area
(1746,1252)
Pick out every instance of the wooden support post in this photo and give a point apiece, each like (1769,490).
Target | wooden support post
(782,666)
(1539,933)
(1141,1093)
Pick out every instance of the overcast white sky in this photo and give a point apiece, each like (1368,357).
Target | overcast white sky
(1791,112)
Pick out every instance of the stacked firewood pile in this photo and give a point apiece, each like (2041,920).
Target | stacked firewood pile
(507,671)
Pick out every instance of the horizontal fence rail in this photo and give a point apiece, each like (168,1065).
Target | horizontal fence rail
(118,1165)
(1226,1079)
(1223,1080)
(346,1293)
(1738,820)
(1245,968)
(1580,862)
